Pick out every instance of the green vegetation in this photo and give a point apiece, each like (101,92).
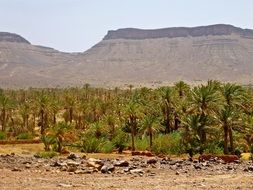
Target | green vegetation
(24,136)
(213,118)
(2,135)
(46,154)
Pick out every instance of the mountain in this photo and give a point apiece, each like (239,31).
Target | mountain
(133,56)
(25,65)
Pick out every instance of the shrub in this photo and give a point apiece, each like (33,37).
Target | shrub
(24,136)
(168,144)
(91,144)
(107,147)
(48,141)
(214,148)
(142,144)
(2,135)
(120,141)
(46,154)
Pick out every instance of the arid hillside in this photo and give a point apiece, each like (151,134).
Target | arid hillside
(139,57)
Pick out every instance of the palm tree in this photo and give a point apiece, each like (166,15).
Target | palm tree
(58,132)
(228,119)
(43,104)
(70,102)
(150,125)
(133,114)
(6,104)
(182,88)
(167,107)
(191,133)
(111,122)
(205,101)
(24,111)
(232,95)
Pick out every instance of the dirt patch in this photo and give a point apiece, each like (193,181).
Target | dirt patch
(121,172)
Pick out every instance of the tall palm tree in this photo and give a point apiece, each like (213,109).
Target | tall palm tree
(168,107)
(228,119)
(150,124)
(24,111)
(132,114)
(43,105)
(6,104)
(205,101)
(182,88)
(232,95)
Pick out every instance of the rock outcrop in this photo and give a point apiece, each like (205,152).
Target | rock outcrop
(213,30)
(9,37)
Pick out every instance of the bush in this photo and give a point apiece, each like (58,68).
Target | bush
(168,144)
(46,154)
(2,135)
(120,141)
(107,147)
(48,141)
(214,148)
(24,136)
(142,144)
(91,144)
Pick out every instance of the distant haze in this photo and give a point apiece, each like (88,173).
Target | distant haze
(76,25)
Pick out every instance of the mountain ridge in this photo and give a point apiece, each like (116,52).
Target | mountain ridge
(174,32)
(11,37)
(222,53)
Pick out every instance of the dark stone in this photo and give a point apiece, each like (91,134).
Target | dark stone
(121,163)
(107,169)
(72,156)
(197,166)
(152,161)
(250,168)
(15,169)
(229,167)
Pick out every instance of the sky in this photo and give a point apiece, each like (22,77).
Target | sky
(77,25)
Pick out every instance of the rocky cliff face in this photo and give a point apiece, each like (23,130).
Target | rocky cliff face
(133,56)
(9,37)
(212,30)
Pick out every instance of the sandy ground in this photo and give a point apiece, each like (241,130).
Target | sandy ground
(10,180)
(216,176)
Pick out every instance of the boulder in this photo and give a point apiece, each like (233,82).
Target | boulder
(121,163)
(152,161)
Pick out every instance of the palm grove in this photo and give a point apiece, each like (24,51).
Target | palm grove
(211,118)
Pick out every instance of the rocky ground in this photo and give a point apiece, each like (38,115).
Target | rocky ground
(137,172)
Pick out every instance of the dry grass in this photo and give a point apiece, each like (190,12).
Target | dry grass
(21,148)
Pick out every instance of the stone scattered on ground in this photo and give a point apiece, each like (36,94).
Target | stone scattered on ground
(127,168)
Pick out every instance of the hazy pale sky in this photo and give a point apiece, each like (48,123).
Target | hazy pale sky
(76,25)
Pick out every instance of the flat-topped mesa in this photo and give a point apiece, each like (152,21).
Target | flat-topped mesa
(10,37)
(214,30)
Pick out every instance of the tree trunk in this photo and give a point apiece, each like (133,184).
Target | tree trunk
(70,115)
(42,131)
(231,140)
(133,128)
(150,138)
(59,148)
(54,119)
(3,119)
(168,125)
(132,137)
(202,136)
(225,139)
